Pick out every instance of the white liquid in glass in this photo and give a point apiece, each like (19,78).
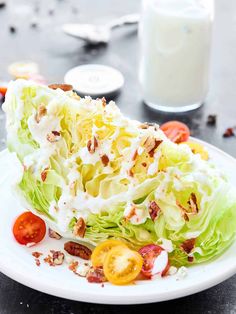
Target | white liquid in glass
(175,40)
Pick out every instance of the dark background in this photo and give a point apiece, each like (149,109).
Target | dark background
(56,53)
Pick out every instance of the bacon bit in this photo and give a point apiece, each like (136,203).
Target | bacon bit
(105,160)
(186,217)
(73,266)
(104,102)
(144,164)
(130,173)
(154,210)
(96,275)
(53,137)
(92,145)
(190,259)
(42,111)
(229,132)
(184,211)
(76,249)
(211,119)
(131,213)
(188,245)
(44,174)
(37,262)
(49,260)
(135,155)
(79,228)
(53,234)
(151,145)
(147,125)
(57,257)
(193,203)
(37,254)
(64,87)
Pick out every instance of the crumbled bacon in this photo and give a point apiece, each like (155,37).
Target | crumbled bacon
(92,145)
(54,136)
(64,87)
(144,164)
(211,119)
(105,160)
(77,249)
(188,245)
(44,174)
(37,254)
(154,210)
(104,102)
(79,228)
(57,257)
(73,266)
(183,210)
(49,260)
(53,234)
(42,111)
(151,145)
(190,259)
(96,275)
(130,173)
(229,132)
(135,155)
(193,203)
(37,262)
(131,213)
(147,125)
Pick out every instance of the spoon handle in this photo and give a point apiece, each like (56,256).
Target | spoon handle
(126,19)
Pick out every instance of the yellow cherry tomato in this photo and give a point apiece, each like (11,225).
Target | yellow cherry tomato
(122,265)
(100,252)
(197,148)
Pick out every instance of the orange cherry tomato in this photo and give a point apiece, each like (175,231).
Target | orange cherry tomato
(29,228)
(122,265)
(100,252)
(176,131)
(3,90)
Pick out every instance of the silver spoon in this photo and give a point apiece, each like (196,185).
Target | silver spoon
(95,34)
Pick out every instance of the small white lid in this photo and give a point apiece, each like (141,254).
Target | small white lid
(94,79)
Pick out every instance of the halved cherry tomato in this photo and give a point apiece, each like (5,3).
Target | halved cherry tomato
(176,131)
(155,260)
(29,228)
(100,252)
(122,265)
(197,148)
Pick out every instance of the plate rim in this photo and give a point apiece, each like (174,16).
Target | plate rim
(101,298)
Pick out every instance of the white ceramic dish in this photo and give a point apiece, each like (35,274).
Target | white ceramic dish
(17,262)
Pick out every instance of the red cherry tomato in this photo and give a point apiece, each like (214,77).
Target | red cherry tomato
(29,228)
(176,131)
(155,260)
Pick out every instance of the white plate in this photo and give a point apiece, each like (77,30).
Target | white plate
(17,262)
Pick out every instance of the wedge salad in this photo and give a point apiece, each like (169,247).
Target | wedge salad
(97,177)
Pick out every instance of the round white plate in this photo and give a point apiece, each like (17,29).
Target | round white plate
(17,262)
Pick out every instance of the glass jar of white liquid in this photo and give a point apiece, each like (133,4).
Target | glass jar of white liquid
(175,38)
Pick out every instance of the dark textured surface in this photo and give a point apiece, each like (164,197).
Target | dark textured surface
(56,53)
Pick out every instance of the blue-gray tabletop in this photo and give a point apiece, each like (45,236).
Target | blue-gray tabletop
(56,53)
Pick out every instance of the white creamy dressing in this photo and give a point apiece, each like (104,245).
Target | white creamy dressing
(175,51)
